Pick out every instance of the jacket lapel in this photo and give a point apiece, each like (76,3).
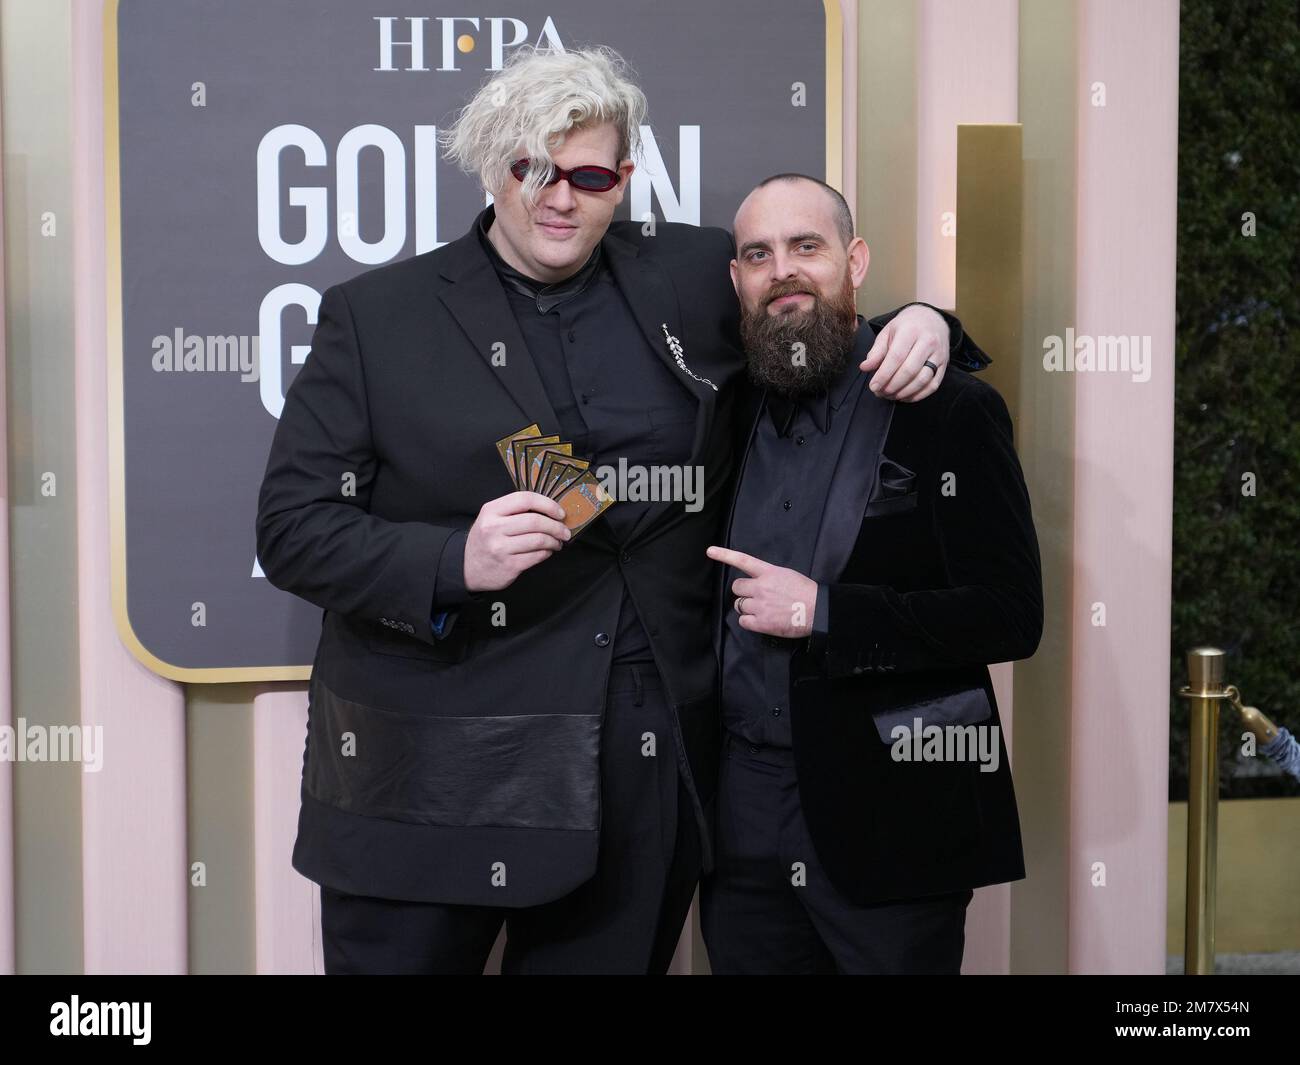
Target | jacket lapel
(653,300)
(477,300)
(852,483)
(654,304)
(747,419)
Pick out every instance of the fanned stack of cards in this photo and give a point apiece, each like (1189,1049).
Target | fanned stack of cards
(545,464)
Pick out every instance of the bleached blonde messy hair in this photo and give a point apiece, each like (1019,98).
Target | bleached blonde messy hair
(538,97)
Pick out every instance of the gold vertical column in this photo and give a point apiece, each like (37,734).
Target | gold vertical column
(221,823)
(990,252)
(1047,111)
(40,373)
(1204,692)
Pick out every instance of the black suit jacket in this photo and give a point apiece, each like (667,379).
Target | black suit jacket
(929,561)
(466,769)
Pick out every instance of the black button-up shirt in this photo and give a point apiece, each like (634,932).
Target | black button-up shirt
(782,495)
(613,396)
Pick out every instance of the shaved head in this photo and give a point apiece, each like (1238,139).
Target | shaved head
(839,206)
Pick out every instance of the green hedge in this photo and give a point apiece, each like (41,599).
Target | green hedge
(1236,576)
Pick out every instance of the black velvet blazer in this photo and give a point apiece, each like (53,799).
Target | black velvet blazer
(930,564)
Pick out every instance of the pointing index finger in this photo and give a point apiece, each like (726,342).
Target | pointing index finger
(747,564)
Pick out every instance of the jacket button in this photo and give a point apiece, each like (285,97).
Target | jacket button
(602,639)
(625,557)
(776,711)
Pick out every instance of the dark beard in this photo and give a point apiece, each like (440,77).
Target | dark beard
(826,332)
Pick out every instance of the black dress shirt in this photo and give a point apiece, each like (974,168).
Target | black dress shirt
(782,495)
(613,397)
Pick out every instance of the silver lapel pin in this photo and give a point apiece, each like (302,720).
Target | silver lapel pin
(675,346)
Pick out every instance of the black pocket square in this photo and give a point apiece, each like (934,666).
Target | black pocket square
(892,479)
(895,491)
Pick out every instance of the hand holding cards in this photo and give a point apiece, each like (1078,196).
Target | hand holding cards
(545,465)
(557,497)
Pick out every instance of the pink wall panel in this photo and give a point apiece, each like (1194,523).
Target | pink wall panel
(133,809)
(1127,198)
(967,71)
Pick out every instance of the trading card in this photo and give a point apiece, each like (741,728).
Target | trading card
(584,501)
(565,471)
(521,458)
(536,456)
(547,474)
(506,447)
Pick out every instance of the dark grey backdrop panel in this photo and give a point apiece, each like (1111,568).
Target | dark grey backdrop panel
(196,442)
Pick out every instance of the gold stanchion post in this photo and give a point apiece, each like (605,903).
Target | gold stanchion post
(1204,691)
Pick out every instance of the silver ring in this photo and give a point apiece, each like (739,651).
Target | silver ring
(933,368)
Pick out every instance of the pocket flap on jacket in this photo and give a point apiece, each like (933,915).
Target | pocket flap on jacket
(968,707)
(387,642)
(880,508)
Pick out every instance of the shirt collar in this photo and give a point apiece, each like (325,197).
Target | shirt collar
(547,296)
(783,410)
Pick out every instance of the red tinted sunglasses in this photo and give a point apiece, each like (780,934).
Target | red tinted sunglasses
(586,178)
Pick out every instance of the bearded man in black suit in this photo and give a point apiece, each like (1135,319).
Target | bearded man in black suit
(879,555)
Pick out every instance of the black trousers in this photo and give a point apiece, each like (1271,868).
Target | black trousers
(768,907)
(625,919)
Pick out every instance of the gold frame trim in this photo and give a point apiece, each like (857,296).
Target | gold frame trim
(834,95)
(116,412)
(113,307)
